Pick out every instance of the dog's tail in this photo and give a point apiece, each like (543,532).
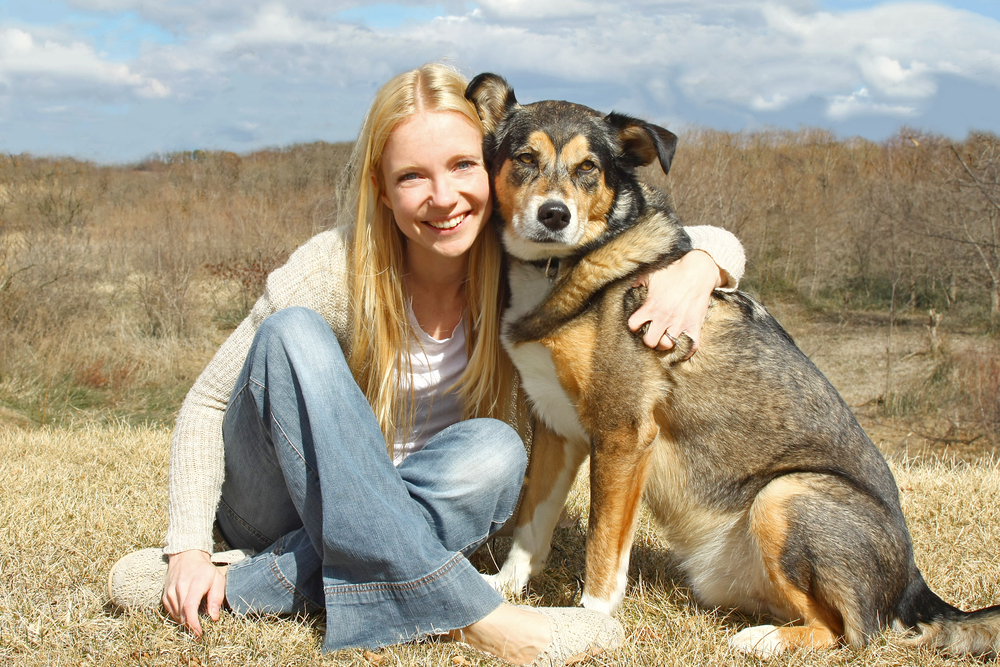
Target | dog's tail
(940,625)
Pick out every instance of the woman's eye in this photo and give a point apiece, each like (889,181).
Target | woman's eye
(408,177)
(526,158)
(466,164)
(587,166)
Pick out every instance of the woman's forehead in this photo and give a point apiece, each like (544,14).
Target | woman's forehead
(435,129)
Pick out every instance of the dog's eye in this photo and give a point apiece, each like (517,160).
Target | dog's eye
(526,158)
(587,166)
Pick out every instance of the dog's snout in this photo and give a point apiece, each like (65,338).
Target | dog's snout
(554,215)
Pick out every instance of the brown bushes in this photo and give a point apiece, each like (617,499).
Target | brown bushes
(117,283)
(114,281)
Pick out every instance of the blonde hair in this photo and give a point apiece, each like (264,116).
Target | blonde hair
(381,332)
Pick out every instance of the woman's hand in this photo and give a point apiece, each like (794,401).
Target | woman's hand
(192,578)
(677,300)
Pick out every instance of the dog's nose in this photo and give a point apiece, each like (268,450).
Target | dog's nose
(554,215)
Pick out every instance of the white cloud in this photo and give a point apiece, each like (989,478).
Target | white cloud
(749,59)
(889,76)
(859,103)
(26,62)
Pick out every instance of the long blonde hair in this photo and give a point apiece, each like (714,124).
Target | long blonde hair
(381,334)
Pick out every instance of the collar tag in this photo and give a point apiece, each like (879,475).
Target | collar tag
(554,269)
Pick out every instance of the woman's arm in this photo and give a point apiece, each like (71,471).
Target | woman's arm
(678,295)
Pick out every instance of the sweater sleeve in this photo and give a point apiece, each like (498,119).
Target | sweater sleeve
(725,249)
(313,277)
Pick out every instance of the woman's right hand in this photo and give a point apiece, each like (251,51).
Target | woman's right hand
(191,579)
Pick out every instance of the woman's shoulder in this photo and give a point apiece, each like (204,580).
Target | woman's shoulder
(329,243)
(316,270)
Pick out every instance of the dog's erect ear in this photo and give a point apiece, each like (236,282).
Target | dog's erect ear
(492,96)
(643,142)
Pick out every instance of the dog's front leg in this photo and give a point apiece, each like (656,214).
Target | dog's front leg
(619,466)
(551,471)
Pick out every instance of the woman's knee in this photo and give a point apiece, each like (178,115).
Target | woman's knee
(292,324)
(296,334)
(498,454)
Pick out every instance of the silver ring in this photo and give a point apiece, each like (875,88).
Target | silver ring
(670,338)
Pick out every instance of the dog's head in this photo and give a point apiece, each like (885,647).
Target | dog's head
(563,174)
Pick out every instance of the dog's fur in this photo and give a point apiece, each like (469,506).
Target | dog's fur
(770,494)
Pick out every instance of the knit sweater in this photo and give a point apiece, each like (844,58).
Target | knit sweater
(315,277)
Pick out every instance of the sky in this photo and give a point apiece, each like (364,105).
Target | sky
(116,81)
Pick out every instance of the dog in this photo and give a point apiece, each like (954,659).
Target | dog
(770,494)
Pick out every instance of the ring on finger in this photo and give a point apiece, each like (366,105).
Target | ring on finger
(666,334)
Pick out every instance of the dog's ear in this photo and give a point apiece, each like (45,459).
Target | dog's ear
(492,96)
(643,142)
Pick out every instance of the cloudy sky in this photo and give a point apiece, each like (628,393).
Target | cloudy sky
(118,80)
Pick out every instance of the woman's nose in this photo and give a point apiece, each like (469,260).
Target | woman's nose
(444,193)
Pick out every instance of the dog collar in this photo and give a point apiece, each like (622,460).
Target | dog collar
(550,266)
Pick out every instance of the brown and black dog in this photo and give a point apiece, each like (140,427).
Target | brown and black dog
(768,491)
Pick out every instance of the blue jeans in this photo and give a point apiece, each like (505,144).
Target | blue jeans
(310,485)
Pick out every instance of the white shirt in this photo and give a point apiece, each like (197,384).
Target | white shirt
(435,366)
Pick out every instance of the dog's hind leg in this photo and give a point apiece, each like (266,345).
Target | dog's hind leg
(835,558)
(551,470)
(619,467)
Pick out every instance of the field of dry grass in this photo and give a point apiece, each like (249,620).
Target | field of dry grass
(118,283)
(76,498)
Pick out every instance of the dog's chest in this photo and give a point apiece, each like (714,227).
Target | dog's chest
(550,401)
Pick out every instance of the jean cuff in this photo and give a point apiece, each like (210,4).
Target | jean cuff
(375,614)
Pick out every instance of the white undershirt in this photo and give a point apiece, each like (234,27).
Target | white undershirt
(436,365)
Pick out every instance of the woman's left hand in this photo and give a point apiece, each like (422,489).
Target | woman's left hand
(677,300)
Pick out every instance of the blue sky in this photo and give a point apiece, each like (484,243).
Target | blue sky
(118,80)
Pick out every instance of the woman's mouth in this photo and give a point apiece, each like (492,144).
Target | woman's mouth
(450,223)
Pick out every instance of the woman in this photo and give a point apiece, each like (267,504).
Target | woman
(384,332)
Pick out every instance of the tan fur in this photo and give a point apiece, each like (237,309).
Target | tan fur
(571,352)
(548,457)
(506,196)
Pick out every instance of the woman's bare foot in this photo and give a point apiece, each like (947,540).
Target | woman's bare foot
(513,633)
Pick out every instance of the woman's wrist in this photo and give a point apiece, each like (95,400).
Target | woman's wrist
(704,265)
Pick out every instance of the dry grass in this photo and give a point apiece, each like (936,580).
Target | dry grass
(77,498)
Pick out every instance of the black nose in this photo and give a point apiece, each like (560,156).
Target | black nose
(554,214)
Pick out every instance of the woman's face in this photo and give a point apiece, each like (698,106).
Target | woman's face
(436,184)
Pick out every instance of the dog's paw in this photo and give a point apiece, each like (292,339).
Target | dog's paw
(763,641)
(503,585)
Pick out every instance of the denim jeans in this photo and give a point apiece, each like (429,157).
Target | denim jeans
(310,485)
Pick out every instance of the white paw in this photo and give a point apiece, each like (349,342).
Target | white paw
(596,604)
(505,584)
(762,640)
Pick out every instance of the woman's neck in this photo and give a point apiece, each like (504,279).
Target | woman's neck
(437,293)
